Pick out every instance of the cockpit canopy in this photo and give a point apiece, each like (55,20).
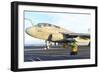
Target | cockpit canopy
(46,24)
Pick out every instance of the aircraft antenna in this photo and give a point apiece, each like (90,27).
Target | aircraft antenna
(29,21)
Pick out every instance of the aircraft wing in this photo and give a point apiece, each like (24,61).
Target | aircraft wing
(69,37)
(72,35)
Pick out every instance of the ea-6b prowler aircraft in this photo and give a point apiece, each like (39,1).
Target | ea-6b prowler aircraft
(52,33)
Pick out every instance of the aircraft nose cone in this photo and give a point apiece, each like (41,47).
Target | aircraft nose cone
(27,30)
(30,31)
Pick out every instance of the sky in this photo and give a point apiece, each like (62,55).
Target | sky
(75,22)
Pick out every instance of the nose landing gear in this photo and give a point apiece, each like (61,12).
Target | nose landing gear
(48,44)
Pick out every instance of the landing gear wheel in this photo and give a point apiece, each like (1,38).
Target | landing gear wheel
(48,44)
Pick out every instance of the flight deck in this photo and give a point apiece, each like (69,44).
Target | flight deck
(54,53)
